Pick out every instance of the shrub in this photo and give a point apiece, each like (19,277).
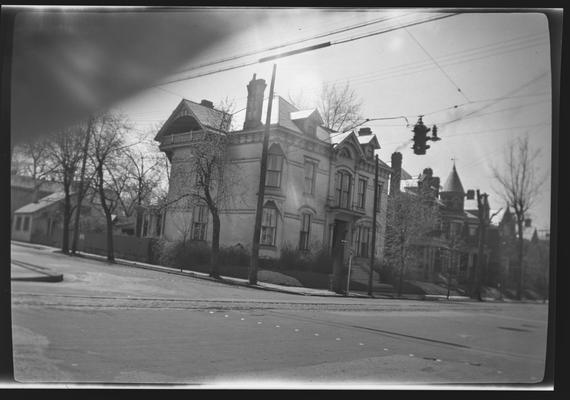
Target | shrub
(183,254)
(294,259)
(234,255)
(322,261)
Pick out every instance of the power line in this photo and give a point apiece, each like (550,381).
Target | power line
(452,59)
(469,133)
(251,53)
(489,105)
(246,64)
(437,64)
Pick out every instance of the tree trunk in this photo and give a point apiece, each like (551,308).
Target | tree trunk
(520,283)
(110,248)
(66,218)
(138,222)
(80,194)
(108,218)
(215,256)
(402,266)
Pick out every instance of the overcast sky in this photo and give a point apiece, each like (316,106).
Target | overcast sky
(495,67)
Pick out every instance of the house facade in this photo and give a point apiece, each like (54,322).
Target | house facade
(319,187)
(452,250)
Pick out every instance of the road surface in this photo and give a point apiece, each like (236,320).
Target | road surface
(109,323)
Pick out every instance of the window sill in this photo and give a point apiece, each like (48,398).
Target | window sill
(268,246)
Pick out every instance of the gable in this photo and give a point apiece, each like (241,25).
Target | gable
(179,112)
(190,116)
(350,141)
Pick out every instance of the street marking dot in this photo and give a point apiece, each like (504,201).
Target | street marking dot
(242,319)
(361,344)
(316,334)
(385,349)
(499,372)
(259,322)
(411,355)
(225,316)
(277,326)
(437,360)
(211,312)
(337,338)
(296,330)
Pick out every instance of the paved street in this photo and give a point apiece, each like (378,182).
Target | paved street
(119,324)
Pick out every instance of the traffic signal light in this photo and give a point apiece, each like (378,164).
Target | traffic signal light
(420,137)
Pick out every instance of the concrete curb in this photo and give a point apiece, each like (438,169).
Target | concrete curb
(45,274)
(234,282)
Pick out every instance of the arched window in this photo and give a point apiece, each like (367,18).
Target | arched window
(274,166)
(269,224)
(305,233)
(342,187)
(199,222)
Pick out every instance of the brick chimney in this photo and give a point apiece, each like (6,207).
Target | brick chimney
(255,90)
(365,131)
(396,173)
(207,103)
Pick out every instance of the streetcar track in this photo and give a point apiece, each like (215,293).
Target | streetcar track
(413,338)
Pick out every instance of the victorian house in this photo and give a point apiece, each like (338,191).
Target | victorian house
(319,188)
(451,251)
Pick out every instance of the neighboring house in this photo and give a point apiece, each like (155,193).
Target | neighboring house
(536,249)
(453,246)
(42,222)
(24,189)
(319,187)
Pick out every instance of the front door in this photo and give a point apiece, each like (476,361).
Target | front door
(340,231)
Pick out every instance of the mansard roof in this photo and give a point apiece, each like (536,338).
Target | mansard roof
(207,117)
(306,114)
(453,183)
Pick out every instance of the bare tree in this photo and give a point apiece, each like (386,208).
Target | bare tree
(134,181)
(66,149)
(339,106)
(32,159)
(519,187)
(83,182)
(208,164)
(410,218)
(108,140)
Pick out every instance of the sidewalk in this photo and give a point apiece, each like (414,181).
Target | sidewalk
(305,291)
(20,271)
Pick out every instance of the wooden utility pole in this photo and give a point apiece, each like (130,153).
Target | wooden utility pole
(374,212)
(483,213)
(254,261)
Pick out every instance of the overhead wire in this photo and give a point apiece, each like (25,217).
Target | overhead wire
(436,63)
(411,68)
(291,43)
(245,64)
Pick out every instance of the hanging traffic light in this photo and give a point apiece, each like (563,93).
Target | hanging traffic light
(420,136)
